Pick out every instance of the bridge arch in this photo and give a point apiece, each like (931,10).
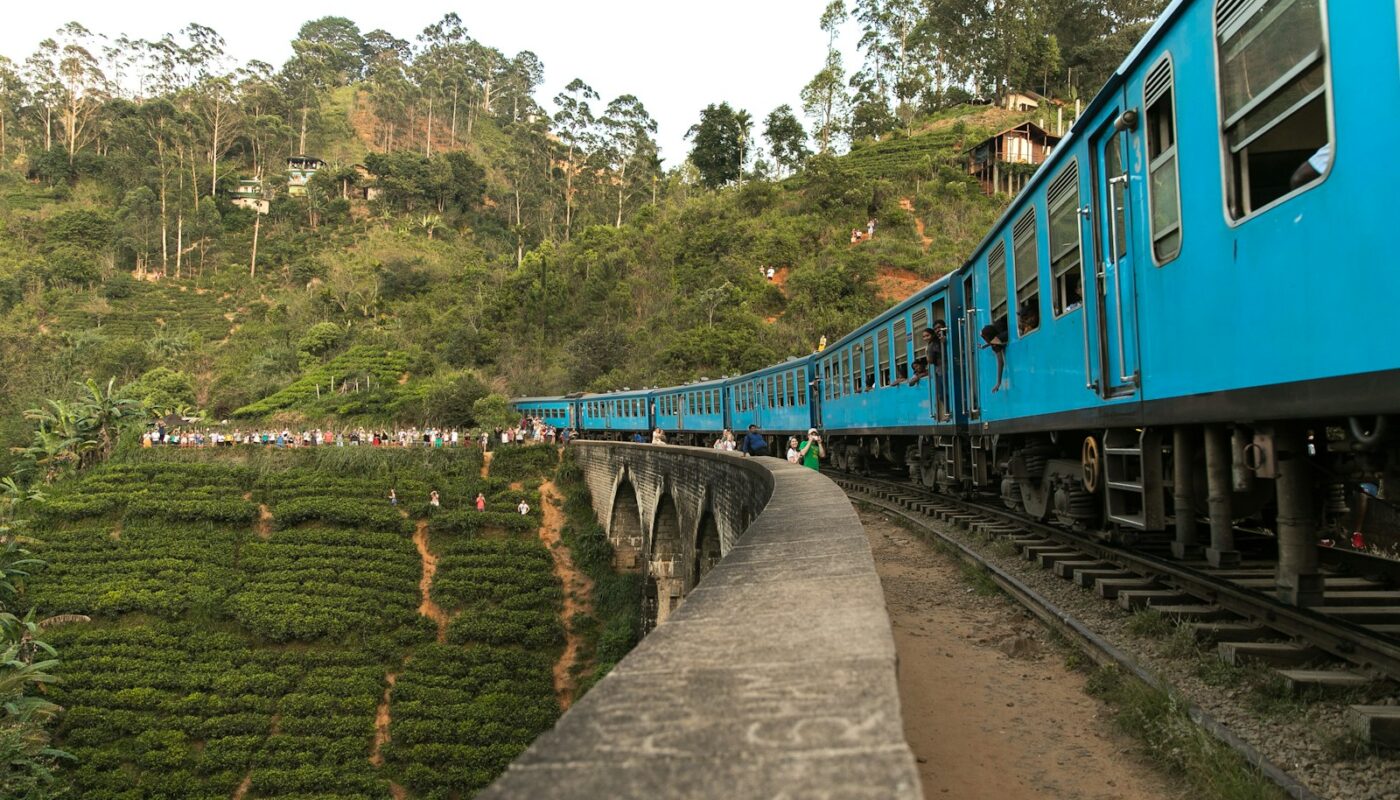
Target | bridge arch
(625,525)
(707,546)
(666,563)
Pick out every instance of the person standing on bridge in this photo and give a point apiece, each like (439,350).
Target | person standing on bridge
(658,436)
(754,444)
(813,451)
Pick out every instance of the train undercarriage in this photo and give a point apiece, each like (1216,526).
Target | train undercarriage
(1301,482)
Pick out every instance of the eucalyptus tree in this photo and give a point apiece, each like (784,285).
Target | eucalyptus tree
(522,76)
(13,96)
(574,123)
(386,72)
(628,145)
(824,98)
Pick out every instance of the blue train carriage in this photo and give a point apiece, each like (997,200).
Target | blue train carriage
(693,414)
(558,412)
(882,405)
(781,400)
(1159,281)
(617,415)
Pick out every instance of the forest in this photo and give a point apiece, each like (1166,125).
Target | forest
(387,230)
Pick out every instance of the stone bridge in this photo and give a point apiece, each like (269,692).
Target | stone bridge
(770,671)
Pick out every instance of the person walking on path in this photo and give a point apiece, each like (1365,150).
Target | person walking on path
(480,501)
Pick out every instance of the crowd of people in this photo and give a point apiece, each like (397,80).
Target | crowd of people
(529,431)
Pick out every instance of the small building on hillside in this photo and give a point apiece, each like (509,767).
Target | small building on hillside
(299,172)
(1004,162)
(1021,101)
(249,194)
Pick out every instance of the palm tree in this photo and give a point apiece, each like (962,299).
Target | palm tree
(745,122)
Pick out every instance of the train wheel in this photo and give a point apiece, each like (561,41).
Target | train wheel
(1091,464)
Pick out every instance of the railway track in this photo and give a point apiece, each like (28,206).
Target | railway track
(1351,643)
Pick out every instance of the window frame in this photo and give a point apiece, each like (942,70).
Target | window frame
(1055,291)
(1034,280)
(1227,165)
(1011,319)
(1168,97)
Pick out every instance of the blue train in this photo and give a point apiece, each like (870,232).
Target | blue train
(1188,306)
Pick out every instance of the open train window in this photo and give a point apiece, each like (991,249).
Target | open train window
(1027,268)
(871,364)
(901,350)
(826,379)
(772,398)
(1163,182)
(802,386)
(1273,99)
(854,370)
(1066,275)
(996,285)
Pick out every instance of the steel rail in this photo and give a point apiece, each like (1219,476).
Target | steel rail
(1347,641)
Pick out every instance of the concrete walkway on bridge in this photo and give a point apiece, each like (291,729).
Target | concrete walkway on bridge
(774,677)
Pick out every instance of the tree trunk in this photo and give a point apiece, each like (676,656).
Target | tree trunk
(428,135)
(621,188)
(455,90)
(253,265)
(164,228)
(179,241)
(301,142)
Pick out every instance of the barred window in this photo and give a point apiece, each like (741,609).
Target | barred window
(1025,251)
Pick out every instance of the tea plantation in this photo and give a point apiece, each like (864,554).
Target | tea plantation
(252,610)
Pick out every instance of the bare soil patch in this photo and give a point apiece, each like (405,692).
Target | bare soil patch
(908,205)
(264,525)
(427,607)
(486,463)
(578,592)
(897,284)
(990,709)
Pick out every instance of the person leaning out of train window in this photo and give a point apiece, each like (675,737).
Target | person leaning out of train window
(933,350)
(995,337)
(1312,169)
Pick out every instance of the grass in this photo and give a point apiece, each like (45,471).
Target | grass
(1159,721)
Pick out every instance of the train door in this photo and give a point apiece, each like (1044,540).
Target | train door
(1112,149)
(968,322)
(816,384)
(938,404)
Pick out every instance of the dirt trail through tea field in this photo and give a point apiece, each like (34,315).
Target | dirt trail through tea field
(578,591)
(427,607)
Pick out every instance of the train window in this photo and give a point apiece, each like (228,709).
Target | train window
(1027,267)
(1273,99)
(920,322)
(871,365)
(802,386)
(709,402)
(791,389)
(1066,280)
(901,350)
(719,401)
(768,397)
(996,286)
(1163,183)
(826,379)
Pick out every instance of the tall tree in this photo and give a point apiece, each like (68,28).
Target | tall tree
(575,125)
(628,145)
(787,141)
(718,145)
(824,98)
(327,52)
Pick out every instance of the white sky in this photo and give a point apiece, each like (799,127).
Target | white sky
(677,57)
